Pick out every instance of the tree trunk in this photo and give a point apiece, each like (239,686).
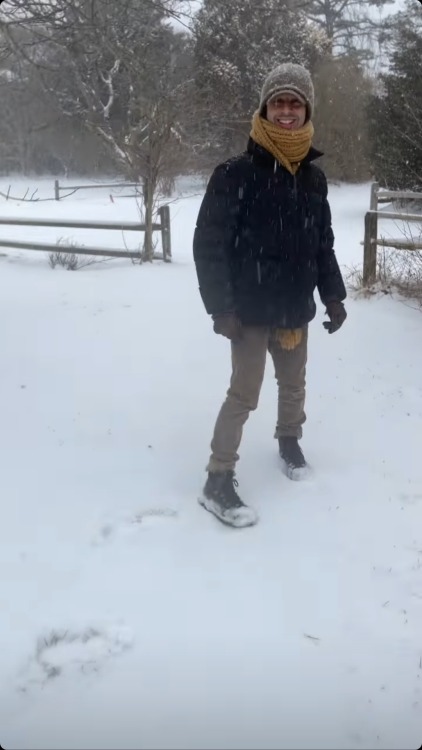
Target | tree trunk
(149,190)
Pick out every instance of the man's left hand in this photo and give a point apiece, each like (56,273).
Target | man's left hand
(337,314)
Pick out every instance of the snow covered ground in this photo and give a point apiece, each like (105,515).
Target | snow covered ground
(129,617)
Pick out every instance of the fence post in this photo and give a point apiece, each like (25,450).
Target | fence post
(56,190)
(165,232)
(370,249)
(373,206)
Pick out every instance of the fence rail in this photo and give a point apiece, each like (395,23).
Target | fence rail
(127,226)
(45,247)
(131,226)
(382,195)
(62,189)
(372,242)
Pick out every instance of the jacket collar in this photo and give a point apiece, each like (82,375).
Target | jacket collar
(261,153)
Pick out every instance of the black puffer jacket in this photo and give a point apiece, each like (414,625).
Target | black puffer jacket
(263,241)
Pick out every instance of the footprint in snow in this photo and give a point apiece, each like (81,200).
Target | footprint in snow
(65,652)
(131,524)
(154,516)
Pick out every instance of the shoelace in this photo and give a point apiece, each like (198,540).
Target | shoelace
(229,493)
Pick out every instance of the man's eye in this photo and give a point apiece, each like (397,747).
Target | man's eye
(280,102)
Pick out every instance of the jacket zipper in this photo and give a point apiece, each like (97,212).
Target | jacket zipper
(297,215)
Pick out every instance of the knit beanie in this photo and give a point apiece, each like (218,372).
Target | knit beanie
(289,78)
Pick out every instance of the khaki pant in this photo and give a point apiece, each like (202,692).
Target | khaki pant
(248,367)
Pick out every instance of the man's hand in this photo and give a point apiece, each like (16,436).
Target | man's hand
(337,314)
(228,325)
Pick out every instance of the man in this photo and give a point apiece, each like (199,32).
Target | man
(263,243)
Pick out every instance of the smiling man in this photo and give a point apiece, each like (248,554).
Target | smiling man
(263,243)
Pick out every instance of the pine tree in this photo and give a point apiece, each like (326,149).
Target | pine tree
(236,45)
(396,113)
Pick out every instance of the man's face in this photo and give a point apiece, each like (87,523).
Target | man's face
(286,111)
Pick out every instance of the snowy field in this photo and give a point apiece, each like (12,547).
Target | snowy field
(131,618)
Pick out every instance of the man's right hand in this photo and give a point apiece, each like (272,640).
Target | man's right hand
(228,325)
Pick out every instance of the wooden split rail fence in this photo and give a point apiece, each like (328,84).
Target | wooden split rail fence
(372,242)
(128,226)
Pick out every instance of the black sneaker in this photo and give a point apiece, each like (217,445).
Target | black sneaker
(220,497)
(295,465)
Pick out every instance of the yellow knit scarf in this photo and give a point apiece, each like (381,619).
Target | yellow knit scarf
(289,147)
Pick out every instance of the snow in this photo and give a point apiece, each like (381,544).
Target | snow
(132,618)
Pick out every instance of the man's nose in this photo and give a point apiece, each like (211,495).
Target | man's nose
(286,108)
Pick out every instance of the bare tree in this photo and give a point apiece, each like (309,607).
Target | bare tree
(350,25)
(116,67)
(341,124)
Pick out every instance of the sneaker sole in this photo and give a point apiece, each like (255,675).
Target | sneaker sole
(239,519)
